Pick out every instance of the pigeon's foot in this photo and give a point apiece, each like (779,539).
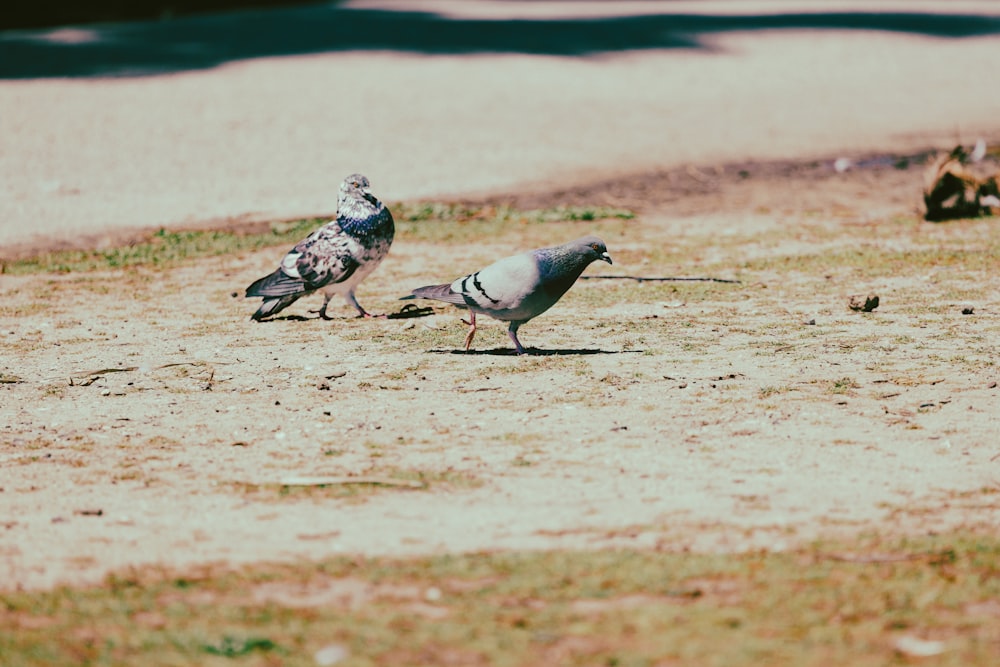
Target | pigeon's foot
(322,314)
(353,302)
(472,330)
(517,344)
(368,316)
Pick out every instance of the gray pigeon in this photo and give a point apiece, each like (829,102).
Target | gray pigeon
(519,288)
(335,258)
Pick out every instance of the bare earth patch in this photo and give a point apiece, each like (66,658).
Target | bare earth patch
(147,420)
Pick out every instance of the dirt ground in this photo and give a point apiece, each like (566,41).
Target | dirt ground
(147,420)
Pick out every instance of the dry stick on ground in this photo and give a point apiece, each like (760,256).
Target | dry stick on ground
(372,480)
(886,558)
(195,363)
(643,279)
(87,378)
(90,377)
(210,365)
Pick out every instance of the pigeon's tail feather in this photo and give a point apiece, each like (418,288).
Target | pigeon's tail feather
(277,284)
(274,306)
(439,293)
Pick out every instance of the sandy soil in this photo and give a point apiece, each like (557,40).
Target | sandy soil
(674,416)
(146,420)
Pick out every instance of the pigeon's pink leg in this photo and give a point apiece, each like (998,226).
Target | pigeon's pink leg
(357,306)
(472,330)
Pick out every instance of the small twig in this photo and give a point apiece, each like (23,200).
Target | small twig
(318,536)
(882,558)
(195,363)
(91,377)
(334,481)
(89,512)
(209,365)
(105,371)
(643,279)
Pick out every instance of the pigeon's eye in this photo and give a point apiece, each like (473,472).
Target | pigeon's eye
(594,246)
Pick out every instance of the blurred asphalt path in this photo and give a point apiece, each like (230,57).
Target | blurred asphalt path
(260,114)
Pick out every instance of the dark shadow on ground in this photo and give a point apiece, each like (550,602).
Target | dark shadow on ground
(532,352)
(405,313)
(410,311)
(204,41)
(287,318)
(43,13)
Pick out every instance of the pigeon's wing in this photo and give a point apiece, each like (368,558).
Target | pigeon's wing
(499,289)
(326,256)
(501,286)
(277,284)
(323,257)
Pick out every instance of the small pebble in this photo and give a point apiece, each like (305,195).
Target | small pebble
(330,655)
(918,648)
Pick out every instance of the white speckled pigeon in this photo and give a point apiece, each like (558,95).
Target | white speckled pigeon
(333,259)
(518,288)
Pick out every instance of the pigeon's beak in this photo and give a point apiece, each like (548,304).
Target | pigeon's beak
(605,257)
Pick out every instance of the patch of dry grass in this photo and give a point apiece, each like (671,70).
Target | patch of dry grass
(867,602)
(416,221)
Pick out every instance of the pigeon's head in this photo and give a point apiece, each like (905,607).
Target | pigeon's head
(354,183)
(593,248)
(355,188)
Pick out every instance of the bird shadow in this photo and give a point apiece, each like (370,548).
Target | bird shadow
(287,318)
(305,318)
(533,352)
(409,311)
(406,312)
